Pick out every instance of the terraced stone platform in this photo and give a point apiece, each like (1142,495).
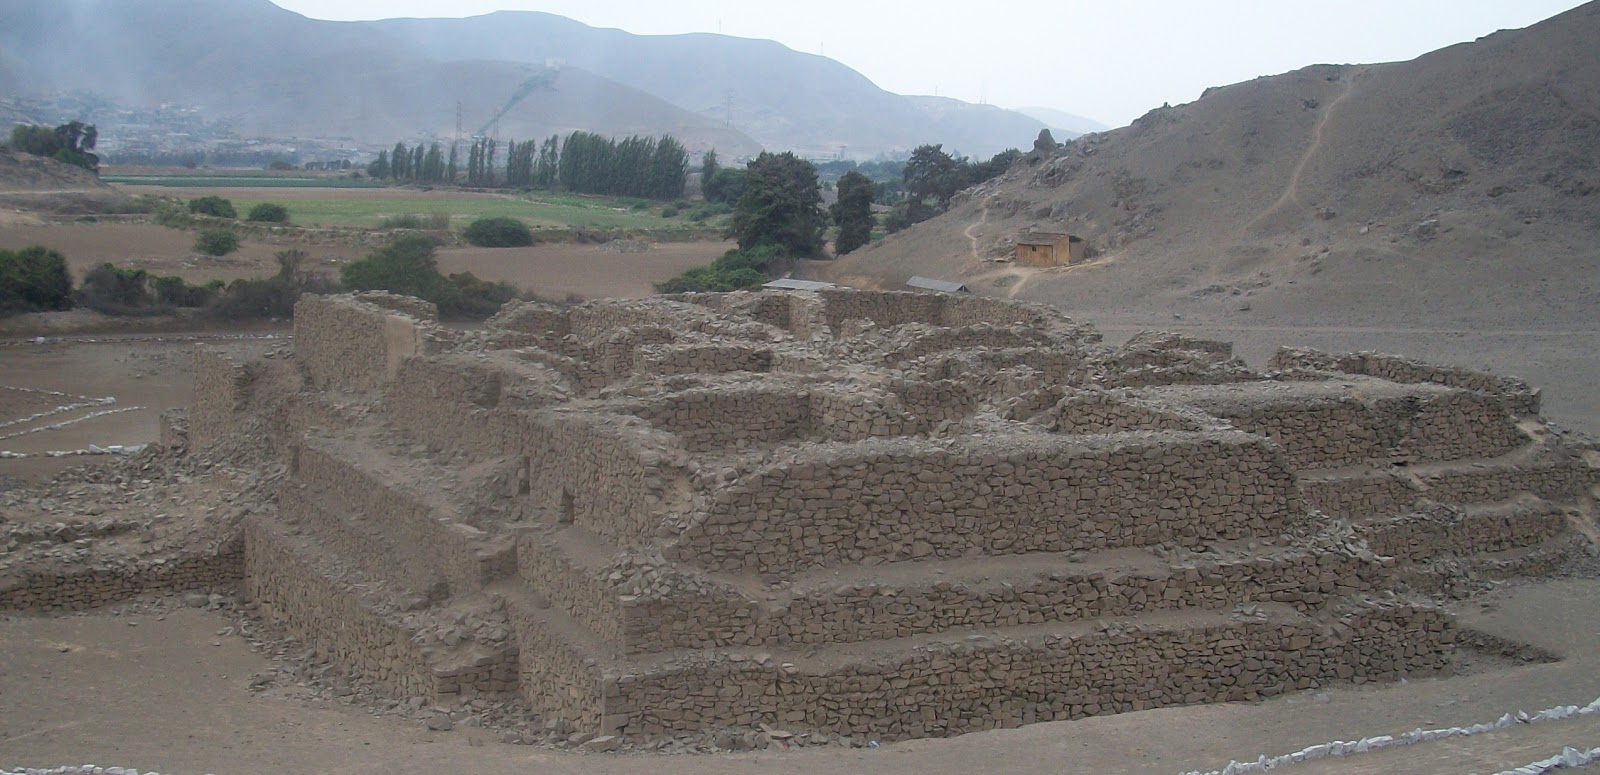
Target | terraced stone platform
(885,514)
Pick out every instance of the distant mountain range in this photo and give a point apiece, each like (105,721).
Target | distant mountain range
(271,72)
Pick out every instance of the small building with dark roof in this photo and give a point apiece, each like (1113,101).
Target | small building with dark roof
(1050,248)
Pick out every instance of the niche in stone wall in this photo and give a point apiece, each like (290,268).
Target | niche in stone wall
(566,510)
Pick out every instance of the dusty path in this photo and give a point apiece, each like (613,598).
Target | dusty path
(1291,190)
(971,232)
(171,695)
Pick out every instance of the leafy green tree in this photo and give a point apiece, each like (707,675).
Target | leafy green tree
(69,143)
(433,164)
(406,265)
(216,242)
(400,162)
(708,170)
(993,168)
(732,271)
(214,206)
(853,212)
(547,167)
(267,212)
(726,186)
(933,176)
(450,169)
(501,232)
(379,169)
(781,206)
(34,279)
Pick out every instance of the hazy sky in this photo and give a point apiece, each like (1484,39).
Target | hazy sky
(1110,60)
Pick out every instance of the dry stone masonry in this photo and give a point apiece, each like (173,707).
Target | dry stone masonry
(870,514)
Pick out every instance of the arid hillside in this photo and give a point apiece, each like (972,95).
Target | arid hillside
(1456,188)
(1444,207)
(35,184)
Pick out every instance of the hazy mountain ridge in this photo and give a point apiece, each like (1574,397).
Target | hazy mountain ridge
(271,72)
(1459,186)
(781,97)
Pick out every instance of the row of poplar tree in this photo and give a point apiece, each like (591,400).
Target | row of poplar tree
(583,162)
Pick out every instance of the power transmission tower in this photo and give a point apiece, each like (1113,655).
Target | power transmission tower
(727,108)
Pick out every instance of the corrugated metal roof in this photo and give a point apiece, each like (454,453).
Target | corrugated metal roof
(1042,238)
(930,284)
(790,284)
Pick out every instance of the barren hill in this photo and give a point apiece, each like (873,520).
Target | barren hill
(1452,192)
(781,97)
(268,71)
(36,184)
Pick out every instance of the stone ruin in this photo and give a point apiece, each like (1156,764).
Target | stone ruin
(889,515)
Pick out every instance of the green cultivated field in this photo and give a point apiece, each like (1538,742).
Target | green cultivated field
(237,181)
(556,211)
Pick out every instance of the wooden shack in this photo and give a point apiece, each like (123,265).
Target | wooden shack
(1050,248)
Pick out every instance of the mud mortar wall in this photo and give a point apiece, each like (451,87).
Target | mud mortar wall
(82,589)
(603,473)
(947,689)
(1514,394)
(316,610)
(1326,432)
(1422,538)
(412,521)
(906,499)
(847,613)
(350,343)
(221,384)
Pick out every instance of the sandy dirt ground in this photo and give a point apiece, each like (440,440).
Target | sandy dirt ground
(555,269)
(170,692)
(590,271)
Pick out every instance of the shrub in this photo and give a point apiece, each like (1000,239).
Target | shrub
(216,242)
(404,221)
(214,206)
(407,265)
(267,212)
(499,232)
(114,291)
(272,297)
(670,211)
(34,279)
(733,270)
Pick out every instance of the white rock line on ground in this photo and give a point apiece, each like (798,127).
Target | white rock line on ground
(57,410)
(78,769)
(1264,763)
(64,423)
(1568,758)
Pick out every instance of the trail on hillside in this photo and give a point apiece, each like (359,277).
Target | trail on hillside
(1291,190)
(971,231)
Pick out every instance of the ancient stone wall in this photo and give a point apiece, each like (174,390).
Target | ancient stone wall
(878,514)
(359,342)
(221,385)
(417,523)
(331,617)
(79,589)
(947,689)
(1514,394)
(896,499)
(1445,531)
